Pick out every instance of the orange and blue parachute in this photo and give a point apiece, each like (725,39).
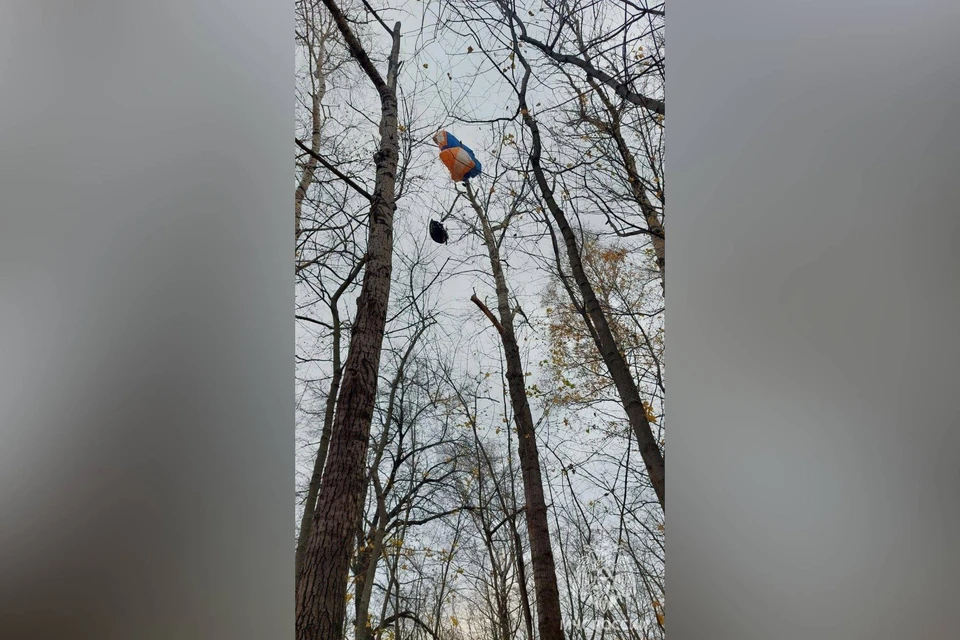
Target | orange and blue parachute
(457,157)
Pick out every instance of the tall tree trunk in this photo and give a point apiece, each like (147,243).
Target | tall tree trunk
(321,594)
(547,593)
(654,226)
(606,343)
(316,50)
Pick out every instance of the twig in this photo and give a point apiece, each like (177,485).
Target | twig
(316,156)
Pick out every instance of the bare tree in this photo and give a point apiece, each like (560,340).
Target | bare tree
(549,618)
(495,552)
(314,32)
(336,332)
(595,318)
(329,255)
(623,75)
(321,592)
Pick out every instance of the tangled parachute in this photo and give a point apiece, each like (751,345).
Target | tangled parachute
(457,157)
(462,164)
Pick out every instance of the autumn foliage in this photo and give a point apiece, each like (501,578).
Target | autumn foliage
(622,282)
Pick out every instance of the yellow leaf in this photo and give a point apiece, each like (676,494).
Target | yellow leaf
(349,597)
(454,620)
(651,416)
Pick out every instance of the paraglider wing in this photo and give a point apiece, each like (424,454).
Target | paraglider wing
(458,162)
(477,167)
(457,157)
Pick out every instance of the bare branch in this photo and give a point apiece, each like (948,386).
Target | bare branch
(650,104)
(356,49)
(488,313)
(316,156)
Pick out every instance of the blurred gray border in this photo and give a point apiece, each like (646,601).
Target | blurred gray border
(146,314)
(813,155)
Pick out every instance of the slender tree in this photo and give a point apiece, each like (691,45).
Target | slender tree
(321,592)
(549,619)
(593,313)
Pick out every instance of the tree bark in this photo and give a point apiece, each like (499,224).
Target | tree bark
(547,593)
(368,560)
(321,593)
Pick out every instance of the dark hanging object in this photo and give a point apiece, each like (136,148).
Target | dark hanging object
(437,232)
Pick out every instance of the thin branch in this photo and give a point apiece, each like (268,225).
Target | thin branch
(377,16)
(356,48)
(316,156)
(409,615)
(314,321)
(622,90)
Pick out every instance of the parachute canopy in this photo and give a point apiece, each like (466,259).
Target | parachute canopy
(457,157)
